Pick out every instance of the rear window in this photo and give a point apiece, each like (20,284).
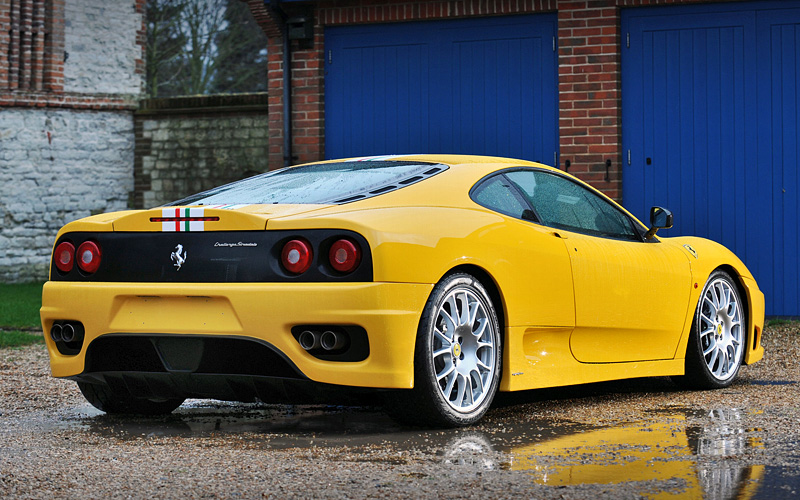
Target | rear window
(320,183)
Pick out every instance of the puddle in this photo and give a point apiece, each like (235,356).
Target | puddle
(684,451)
(772,382)
(697,461)
(279,426)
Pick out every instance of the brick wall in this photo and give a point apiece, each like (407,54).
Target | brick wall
(100,45)
(589,92)
(589,73)
(185,145)
(23,30)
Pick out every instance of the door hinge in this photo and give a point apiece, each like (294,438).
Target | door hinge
(330,57)
(629,157)
(554,44)
(629,40)
(555,159)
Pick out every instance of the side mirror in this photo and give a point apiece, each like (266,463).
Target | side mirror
(660,218)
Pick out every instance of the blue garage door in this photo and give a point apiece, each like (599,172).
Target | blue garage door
(710,128)
(478,86)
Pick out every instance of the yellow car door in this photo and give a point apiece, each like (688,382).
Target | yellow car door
(630,295)
(630,299)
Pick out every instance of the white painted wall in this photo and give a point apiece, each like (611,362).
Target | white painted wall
(100,38)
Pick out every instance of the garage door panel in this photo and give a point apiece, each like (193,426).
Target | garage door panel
(381,67)
(490,88)
(693,91)
(780,98)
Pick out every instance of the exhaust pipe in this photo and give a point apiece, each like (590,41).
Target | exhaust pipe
(68,332)
(56,332)
(332,341)
(309,340)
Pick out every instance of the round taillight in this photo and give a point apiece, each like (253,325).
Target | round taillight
(345,256)
(88,256)
(65,256)
(296,256)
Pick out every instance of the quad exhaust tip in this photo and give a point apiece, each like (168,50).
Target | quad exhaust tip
(332,341)
(309,340)
(327,340)
(56,333)
(67,332)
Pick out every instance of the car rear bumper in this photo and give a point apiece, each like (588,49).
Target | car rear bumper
(263,313)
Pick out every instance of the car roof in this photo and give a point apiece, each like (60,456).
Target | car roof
(449,188)
(452,160)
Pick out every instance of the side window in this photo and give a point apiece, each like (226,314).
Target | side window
(562,203)
(497,193)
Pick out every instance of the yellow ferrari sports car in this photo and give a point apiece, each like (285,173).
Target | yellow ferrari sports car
(429,282)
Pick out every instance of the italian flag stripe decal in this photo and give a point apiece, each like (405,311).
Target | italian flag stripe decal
(181,222)
(180,218)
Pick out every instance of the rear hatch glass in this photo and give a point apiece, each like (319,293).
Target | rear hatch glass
(319,183)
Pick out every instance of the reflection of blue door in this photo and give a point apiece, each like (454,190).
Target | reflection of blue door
(709,114)
(474,86)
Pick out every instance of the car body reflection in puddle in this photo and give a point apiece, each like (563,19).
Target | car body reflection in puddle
(677,451)
(698,462)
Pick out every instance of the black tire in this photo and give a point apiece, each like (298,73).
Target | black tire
(473,362)
(104,399)
(717,341)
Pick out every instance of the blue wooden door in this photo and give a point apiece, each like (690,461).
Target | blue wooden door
(778,182)
(709,117)
(483,86)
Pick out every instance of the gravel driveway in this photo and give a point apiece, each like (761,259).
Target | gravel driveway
(632,439)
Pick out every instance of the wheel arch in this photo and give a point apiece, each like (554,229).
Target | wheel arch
(491,286)
(746,302)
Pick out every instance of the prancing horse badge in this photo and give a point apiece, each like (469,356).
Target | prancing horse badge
(179,256)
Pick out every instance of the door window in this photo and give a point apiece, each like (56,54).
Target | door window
(562,203)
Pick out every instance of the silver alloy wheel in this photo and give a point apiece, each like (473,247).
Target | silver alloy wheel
(721,329)
(464,350)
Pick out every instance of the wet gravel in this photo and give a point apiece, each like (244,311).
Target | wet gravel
(632,439)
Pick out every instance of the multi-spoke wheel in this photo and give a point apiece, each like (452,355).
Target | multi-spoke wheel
(463,354)
(457,360)
(716,345)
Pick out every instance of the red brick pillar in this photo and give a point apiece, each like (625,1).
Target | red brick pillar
(308,121)
(308,103)
(589,79)
(141,40)
(54,46)
(275,106)
(5,39)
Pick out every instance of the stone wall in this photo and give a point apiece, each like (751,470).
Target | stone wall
(70,77)
(101,47)
(189,144)
(57,166)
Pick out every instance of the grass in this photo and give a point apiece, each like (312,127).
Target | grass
(19,314)
(780,322)
(19,306)
(14,338)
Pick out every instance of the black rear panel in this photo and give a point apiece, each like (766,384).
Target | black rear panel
(186,354)
(211,257)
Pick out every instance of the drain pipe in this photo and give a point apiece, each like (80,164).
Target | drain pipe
(275,7)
